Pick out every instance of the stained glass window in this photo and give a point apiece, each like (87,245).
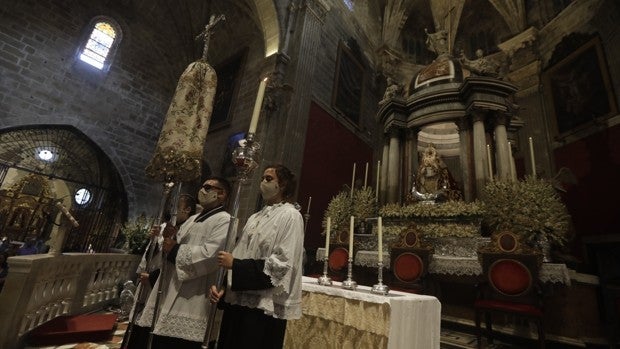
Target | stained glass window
(349,4)
(83,196)
(99,44)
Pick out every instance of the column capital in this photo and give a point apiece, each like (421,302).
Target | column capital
(393,132)
(462,124)
(478,115)
(499,119)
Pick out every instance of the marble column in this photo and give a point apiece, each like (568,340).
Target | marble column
(393,176)
(385,163)
(411,156)
(464,128)
(480,157)
(502,153)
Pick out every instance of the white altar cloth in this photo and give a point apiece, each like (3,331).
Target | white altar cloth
(393,321)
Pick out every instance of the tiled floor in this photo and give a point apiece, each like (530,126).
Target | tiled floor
(450,339)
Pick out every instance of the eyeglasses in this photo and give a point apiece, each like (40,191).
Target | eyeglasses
(208,187)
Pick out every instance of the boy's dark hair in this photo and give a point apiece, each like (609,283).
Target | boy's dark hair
(189,201)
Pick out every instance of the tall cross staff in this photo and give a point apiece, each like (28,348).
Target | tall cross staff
(206,34)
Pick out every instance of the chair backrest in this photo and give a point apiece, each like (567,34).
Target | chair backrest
(410,257)
(511,268)
(338,258)
(409,265)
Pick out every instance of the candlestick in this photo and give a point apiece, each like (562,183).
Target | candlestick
(380,238)
(366,176)
(351,229)
(258,105)
(490,166)
(327,234)
(378,175)
(532,159)
(309,202)
(379,287)
(353,181)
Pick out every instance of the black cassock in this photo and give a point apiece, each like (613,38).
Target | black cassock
(244,327)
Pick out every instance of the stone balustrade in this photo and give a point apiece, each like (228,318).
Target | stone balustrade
(42,287)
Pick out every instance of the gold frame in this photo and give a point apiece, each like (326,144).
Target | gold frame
(574,84)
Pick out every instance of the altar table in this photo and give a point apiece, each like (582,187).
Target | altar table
(345,319)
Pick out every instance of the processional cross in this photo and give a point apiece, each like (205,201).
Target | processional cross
(206,34)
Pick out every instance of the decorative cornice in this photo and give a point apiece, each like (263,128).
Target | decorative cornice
(519,41)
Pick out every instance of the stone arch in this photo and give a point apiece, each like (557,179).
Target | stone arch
(268,19)
(94,135)
(76,160)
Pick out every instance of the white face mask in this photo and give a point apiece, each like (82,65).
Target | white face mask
(269,189)
(206,198)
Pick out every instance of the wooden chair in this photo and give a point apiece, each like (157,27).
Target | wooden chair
(409,260)
(511,284)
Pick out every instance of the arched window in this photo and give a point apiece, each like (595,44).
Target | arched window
(102,41)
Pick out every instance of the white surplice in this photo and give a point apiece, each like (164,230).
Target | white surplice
(143,290)
(276,235)
(184,301)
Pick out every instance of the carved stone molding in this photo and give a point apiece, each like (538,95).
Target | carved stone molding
(522,40)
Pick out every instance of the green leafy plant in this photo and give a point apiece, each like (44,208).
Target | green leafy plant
(341,208)
(530,208)
(137,234)
(449,209)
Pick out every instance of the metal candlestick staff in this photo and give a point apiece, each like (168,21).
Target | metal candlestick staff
(245,159)
(140,299)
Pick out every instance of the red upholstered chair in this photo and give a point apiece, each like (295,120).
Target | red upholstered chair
(338,258)
(409,260)
(511,284)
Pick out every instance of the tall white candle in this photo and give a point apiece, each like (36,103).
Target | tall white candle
(380,238)
(329,229)
(513,171)
(378,176)
(366,176)
(489,161)
(353,181)
(532,159)
(309,202)
(258,105)
(351,229)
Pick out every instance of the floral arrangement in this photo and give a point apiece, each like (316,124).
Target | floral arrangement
(364,203)
(341,208)
(449,209)
(451,218)
(530,208)
(136,235)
